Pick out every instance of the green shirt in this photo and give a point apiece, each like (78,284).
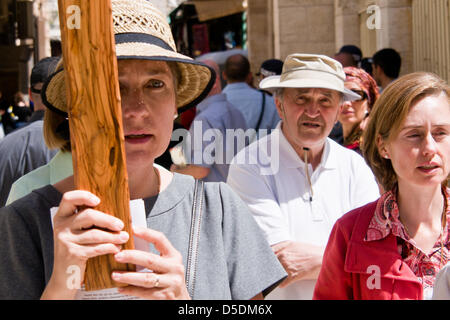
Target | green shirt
(57,169)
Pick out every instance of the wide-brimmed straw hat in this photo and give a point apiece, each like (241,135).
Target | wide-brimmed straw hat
(141,32)
(310,71)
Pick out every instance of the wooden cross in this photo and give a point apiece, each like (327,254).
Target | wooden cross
(96,131)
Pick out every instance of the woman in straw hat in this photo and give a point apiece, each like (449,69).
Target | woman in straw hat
(155,83)
(394,247)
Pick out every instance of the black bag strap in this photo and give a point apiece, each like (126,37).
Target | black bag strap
(197,208)
(262,110)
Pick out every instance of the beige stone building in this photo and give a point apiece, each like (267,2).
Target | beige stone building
(418,29)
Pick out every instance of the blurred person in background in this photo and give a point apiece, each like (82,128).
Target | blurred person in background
(349,56)
(216,114)
(270,67)
(354,114)
(21,110)
(7,116)
(257,107)
(386,65)
(24,150)
(39,74)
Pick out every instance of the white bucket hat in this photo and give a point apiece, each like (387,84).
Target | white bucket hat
(310,71)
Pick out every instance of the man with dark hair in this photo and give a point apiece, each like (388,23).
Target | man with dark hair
(237,68)
(216,114)
(386,65)
(258,108)
(38,75)
(349,56)
(24,149)
(271,67)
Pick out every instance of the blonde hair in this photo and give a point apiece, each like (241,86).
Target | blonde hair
(52,138)
(389,113)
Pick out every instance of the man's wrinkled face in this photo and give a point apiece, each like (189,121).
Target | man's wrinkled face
(308,114)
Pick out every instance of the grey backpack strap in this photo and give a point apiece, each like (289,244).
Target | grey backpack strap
(197,207)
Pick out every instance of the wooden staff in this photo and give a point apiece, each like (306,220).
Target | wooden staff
(96,131)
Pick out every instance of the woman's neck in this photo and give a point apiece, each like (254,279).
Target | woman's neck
(420,208)
(148,181)
(143,181)
(351,133)
(346,129)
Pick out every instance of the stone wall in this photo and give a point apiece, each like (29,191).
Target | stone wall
(306,26)
(396,30)
(260,32)
(280,27)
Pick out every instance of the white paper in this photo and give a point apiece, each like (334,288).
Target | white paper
(138,218)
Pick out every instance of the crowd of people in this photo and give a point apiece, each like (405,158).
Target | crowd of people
(324,178)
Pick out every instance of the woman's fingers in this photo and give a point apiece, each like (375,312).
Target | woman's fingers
(167,279)
(142,279)
(91,251)
(90,218)
(73,199)
(97,236)
(147,260)
(159,240)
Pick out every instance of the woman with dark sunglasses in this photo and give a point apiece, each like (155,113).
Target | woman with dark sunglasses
(354,114)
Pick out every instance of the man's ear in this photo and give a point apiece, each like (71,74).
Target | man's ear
(377,70)
(279,106)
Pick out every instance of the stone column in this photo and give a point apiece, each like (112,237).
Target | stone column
(346,23)
(306,26)
(396,30)
(260,32)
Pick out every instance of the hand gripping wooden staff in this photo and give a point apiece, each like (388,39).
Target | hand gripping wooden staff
(95,121)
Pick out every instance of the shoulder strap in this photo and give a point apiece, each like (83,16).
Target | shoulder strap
(197,207)
(263,106)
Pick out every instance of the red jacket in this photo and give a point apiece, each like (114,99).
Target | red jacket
(364,270)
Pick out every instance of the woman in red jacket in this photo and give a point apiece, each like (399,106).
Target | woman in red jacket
(394,247)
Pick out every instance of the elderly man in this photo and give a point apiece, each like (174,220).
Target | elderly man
(297,201)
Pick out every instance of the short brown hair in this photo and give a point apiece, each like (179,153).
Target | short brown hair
(237,68)
(389,113)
